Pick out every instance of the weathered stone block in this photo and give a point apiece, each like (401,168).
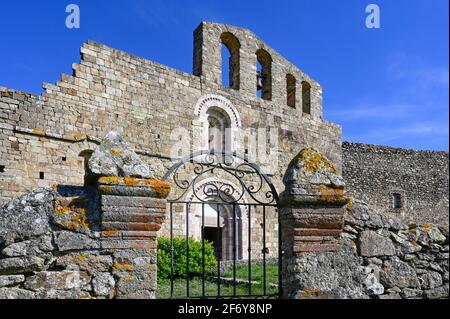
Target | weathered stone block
(16,293)
(20,265)
(372,244)
(396,273)
(72,241)
(60,280)
(103,284)
(11,280)
(430,280)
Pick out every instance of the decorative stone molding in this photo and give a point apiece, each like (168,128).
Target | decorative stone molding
(200,111)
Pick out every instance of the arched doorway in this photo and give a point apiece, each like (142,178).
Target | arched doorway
(219,219)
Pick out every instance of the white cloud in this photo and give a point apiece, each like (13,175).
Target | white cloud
(409,131)
(413,69)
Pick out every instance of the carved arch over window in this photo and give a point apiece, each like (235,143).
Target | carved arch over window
(210,107)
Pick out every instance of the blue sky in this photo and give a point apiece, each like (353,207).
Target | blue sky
(384,86)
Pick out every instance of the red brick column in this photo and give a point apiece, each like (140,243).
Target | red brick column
(133,210)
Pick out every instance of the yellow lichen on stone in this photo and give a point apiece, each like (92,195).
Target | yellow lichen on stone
(328,194)
(350,203)
(160,188)
(81,257)
(114,180)
(107,189)
(311,291)
(39,132)
(110,233)
(123,265)
(313,161)
(116,152)
(72,215)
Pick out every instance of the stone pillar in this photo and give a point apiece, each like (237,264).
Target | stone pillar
(312,219)
(133,207)
(133,210)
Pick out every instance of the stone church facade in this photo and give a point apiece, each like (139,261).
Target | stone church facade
(47,139)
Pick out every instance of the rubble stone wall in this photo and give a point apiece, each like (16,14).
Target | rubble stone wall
(381,257)
(55,244)
(374,173)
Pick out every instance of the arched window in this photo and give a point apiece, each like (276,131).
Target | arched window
(218,131)
(306,97)
(291,84)
(230,60)
(264,74)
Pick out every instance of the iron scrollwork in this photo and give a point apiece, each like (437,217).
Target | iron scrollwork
(240,179)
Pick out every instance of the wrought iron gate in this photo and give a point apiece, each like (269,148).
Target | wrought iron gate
(223,201)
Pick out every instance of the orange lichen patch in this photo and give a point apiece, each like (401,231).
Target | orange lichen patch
(123,265)
(328,194)
(107,189)
(116,152)
(39,132)
(311,291)
(160,188)
(71,213)
(427,226)
(112,180)
(85,297)
(110,233)
(313,161)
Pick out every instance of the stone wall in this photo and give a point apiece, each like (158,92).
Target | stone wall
(45,255)
(421,179)
(381,257)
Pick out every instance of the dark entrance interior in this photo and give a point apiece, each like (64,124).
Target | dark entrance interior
(214,235)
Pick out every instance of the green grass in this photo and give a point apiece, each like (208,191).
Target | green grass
(211,289)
